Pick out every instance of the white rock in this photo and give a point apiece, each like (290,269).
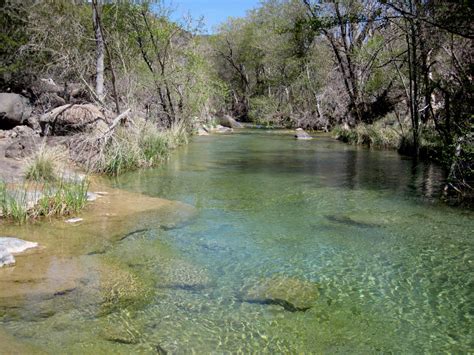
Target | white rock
(15,245)
(6,258)
(74,220)
(91,196)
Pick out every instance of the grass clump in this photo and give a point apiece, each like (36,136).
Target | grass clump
(30,201)
(44,164)
(139,146)
(378,135)
(13,204)
(62,199)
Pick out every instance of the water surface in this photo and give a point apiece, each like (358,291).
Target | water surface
(354,240)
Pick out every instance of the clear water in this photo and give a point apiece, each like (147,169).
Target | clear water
(392,267)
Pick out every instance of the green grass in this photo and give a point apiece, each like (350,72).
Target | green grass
(59,198)
(376,135)
(140,146)
(13,204)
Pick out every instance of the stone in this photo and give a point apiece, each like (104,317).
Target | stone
(22,132)
(222,129)
(14,110)
(71,119)
(228,121)
(290,293)
(301,134)
(202,132)
(6,259)
(74,220)
(22,147)
(91,197)
(15,245)
(10,246)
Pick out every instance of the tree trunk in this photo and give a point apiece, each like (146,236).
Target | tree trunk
(100,51)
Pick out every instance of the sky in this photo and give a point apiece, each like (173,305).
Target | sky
(213,11)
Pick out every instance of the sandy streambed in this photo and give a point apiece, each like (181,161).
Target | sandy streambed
(70,259)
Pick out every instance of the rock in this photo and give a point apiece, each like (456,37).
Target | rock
(15,245)
(182,275)
(222,129)
(74,220)
(229,122)
(22,147)
(22,132)
(290,293)
(202,132)
(10,246)
(71,119)
(6,258)
(301,134)
(91,197)
(14,110)
(33,122)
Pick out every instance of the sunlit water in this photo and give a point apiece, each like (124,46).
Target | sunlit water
(391,266)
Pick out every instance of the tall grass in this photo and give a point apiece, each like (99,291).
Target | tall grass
(376,136)
(139,146)
(20,203)
(45,163)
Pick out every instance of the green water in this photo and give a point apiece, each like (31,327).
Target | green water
(354,239)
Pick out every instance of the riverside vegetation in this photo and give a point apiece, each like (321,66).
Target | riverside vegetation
(122,84)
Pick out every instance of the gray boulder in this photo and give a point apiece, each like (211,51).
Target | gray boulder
(229,122)
(22,147)
(14,109)
(301,134)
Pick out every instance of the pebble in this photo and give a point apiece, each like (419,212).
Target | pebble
(74,220)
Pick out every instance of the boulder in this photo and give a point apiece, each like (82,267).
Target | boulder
(222,129)
(14,110)
(301,134)
(290,293)
(23,132)
(15,245)
(71,119)
(229,122)
(22,147)
(10,246)
(202,132)
(6,258)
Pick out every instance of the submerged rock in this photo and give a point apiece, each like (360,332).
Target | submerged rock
(301,134)
(183,275)
(292,294)
(350,221)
